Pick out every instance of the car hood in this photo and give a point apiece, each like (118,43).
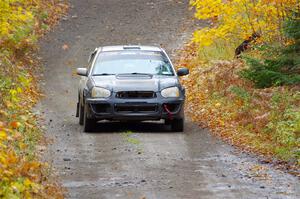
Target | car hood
(135,83)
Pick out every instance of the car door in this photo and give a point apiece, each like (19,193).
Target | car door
(83,79)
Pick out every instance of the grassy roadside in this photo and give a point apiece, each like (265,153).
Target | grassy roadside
(262,121)
(22,175)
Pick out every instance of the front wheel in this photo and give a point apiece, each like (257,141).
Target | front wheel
(88,124)
(177,125)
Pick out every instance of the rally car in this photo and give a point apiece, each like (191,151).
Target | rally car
(130,83)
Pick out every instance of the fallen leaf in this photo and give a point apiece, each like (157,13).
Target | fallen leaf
(15,124)
(65,47)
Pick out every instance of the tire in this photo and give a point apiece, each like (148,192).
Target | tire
(88,124)
(81,114)
(177,125)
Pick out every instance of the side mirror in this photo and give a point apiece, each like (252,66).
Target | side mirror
(183,71)
(82,71)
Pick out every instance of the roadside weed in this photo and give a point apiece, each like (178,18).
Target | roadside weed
(131,138)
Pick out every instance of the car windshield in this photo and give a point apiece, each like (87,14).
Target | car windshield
(132,62)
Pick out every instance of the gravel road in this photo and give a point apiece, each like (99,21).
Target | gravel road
(138,160)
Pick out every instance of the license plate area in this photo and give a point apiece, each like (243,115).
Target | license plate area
(136,108)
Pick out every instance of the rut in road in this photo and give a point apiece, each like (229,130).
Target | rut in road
(138,160)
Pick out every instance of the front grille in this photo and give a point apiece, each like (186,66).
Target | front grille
(136,108)
(135,94)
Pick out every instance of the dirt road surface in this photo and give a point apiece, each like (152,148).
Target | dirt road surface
(138,160)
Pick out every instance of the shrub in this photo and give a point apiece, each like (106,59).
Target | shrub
(279,66)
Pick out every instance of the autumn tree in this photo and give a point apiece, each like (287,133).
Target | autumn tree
(237,20)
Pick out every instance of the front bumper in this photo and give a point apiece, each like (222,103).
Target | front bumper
(135,109)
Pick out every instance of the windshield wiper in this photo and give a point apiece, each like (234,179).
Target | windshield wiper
(103,74)
(169,74)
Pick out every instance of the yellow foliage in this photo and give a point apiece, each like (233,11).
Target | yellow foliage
(21,173)
(14,16)
(238,19)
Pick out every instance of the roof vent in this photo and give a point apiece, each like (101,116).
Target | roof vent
(132,48)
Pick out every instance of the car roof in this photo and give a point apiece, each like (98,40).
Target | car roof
(130,47)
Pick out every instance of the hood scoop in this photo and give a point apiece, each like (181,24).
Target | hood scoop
(134,76)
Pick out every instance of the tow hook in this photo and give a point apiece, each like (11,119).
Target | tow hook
(170,115)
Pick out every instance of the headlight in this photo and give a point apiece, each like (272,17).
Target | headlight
(170,92)
(98,92)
